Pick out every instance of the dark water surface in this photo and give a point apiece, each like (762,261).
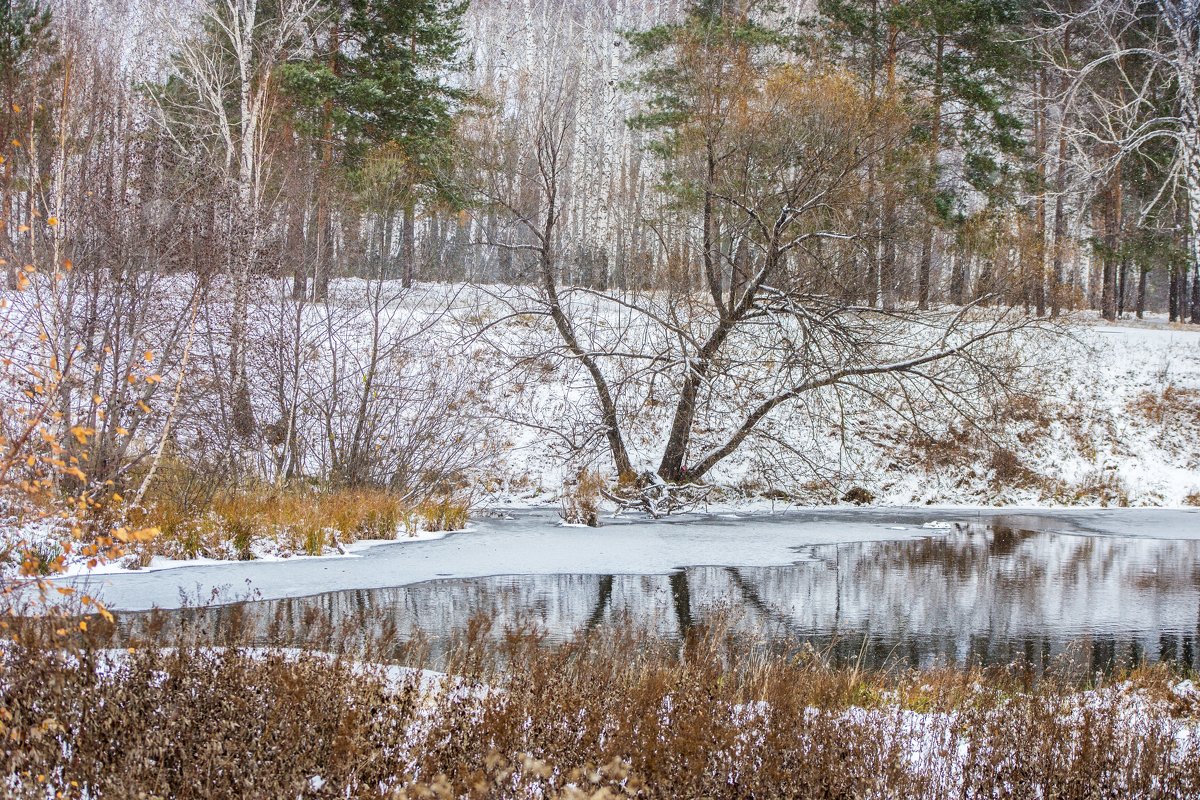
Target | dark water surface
(981,593)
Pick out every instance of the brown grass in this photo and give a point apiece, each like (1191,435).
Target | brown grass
(1171,405)
(581,499)
(611,714)
(291,520)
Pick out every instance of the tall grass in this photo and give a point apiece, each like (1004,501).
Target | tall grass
(609,714)
(237,522)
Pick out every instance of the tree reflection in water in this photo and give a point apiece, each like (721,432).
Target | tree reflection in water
(977,595)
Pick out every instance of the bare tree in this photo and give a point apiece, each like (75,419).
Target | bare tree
(725,359)
(1139,51)
(218,107)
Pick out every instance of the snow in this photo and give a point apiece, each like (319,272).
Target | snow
(534,544)
(80,569)
(1087,432)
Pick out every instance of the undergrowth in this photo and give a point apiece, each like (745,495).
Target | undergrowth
(614,713)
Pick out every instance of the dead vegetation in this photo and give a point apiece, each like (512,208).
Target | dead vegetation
(236,523)
(580,504)
(1168,406)
(610,714)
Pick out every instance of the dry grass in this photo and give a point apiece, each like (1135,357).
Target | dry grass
(611,714)
(1169,406)
(233,523)
(580,503)
(437,514)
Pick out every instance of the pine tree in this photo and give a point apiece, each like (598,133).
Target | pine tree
(381,77)
(27,65)
(955,60)
(695,73)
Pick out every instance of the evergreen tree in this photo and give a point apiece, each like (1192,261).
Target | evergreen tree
(955,60)
(27,66)
(696,73)
(382,76)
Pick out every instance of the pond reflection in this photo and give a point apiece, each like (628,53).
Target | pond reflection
(974,595)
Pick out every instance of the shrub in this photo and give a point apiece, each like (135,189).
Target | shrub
(581,499)
(859,496)
(610,713)
(1007,469)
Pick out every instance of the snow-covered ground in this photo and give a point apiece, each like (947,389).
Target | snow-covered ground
(1110,417)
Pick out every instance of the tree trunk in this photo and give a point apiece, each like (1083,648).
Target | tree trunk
(1141,292)
(1039,282)
(1173,293)
(1122,286)
(409,255)
(1111,217)
(325,254)
(887,264)
(1060,184)
(295,250)
(1196,295)
(925,270)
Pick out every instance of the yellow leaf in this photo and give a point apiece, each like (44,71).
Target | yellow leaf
(149,356)
(145,534)
(83,625)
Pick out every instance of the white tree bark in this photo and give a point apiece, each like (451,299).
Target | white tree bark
(231,68)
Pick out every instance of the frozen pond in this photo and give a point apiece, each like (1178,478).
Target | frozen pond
(1114,585)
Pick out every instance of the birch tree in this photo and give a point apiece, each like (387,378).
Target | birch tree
(218,107)
(1141,51)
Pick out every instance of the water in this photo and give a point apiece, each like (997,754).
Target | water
(984,592)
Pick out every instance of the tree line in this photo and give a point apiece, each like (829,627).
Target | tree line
(722,209)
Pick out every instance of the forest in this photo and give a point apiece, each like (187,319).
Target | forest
(584,399)
(391,258)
